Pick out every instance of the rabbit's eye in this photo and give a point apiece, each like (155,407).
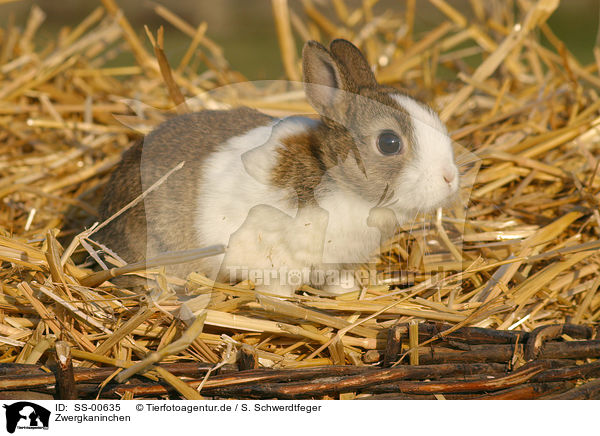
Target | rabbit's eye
(389,143)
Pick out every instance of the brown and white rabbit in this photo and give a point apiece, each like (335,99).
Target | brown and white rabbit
(291,195)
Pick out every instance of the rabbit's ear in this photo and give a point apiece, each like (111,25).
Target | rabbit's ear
(356,66)
(323,77)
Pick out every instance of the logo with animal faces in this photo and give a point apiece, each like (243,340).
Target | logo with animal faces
(25,415)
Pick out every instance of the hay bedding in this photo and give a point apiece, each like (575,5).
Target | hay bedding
(517,296)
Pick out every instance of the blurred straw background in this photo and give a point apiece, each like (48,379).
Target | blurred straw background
(509,87)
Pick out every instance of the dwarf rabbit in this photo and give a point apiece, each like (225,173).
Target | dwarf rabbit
(296,199)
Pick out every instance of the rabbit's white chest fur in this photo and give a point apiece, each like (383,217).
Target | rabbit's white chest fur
(269,240)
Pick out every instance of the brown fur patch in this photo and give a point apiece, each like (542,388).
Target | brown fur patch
(299,166)
(303,160)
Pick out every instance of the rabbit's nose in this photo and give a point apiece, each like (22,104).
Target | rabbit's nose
(449,175)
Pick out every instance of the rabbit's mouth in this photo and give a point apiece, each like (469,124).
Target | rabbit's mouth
(425,196)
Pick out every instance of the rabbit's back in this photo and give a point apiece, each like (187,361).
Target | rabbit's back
(164,221)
